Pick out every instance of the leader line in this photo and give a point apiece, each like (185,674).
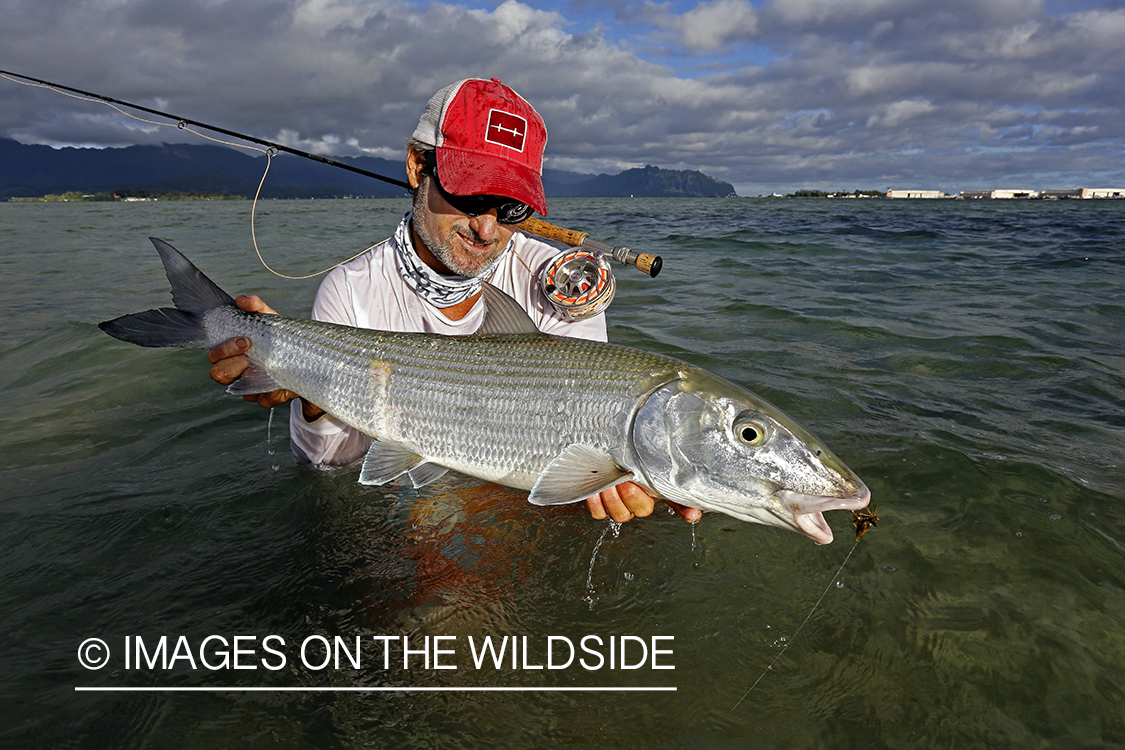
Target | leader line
(476,689)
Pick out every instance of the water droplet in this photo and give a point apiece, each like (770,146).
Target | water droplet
(890,568)
(1020,534)
(628,576)
(594,556)
(839,584)
(1055,517)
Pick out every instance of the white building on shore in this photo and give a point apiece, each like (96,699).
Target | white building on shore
(999,194)
(1069,193)
(915,194)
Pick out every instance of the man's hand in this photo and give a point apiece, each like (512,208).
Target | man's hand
(228,359)
(628,500)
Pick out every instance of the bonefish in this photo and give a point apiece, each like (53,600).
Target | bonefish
(562,418)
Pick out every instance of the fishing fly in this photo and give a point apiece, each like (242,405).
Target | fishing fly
(864,519)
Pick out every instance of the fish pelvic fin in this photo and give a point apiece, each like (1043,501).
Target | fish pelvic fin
(387,460)
(192,293)
(579,472)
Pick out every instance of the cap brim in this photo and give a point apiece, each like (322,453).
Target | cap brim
(465,173)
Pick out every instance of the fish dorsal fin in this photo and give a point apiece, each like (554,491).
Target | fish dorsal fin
(192,291)
(577,473)
(387,460)
(503,314)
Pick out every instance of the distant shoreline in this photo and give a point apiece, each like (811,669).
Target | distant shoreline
(125,196)
(166,196)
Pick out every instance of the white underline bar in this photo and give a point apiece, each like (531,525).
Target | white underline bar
(79,689)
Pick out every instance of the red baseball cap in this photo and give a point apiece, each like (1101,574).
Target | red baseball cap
(489,141)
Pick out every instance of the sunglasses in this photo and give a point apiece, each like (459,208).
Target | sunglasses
(508,211)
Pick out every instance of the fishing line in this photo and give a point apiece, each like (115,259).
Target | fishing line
(182,124)
(578,283)
(797,632)
(241,136)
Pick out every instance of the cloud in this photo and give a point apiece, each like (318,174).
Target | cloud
(768,96)
(895,114)
(711,25)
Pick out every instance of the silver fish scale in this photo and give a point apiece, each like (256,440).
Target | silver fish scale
(508,405)
(498,407)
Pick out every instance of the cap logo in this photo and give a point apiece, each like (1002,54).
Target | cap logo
(506,129)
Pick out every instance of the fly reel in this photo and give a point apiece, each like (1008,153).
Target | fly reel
(579,283)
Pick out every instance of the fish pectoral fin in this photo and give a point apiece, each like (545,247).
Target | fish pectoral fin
(577,473)
(254,380)
(426,473)
(387,460)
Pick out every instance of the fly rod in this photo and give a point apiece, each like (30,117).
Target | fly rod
(649,264)
(185,121)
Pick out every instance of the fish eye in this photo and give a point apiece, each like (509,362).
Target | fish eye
(751,432)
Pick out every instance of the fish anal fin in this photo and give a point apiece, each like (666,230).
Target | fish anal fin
(254,380)
(579,472)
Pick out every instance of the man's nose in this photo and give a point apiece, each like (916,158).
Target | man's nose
(485,225)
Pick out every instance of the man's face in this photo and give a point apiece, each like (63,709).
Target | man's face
(459,243)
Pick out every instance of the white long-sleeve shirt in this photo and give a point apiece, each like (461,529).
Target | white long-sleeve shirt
(369,292)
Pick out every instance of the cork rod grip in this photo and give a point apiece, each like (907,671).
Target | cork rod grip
(549,231)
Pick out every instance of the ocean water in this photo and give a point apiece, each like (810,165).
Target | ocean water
(966,359)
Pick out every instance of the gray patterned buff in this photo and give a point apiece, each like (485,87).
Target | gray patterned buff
(437,289)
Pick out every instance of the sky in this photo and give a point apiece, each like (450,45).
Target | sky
(771,96)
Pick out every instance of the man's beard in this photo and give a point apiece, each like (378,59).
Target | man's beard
(443,248)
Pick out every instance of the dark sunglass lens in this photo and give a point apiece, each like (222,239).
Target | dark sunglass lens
(512,212)
(507,211)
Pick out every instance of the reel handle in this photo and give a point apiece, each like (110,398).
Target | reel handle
(649,264)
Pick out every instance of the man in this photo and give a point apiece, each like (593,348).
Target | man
(475,167)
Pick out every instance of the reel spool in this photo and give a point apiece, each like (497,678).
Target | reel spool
(579,283)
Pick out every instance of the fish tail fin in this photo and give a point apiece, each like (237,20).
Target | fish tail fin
(192,293)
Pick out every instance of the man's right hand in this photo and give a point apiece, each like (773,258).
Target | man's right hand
(228,359)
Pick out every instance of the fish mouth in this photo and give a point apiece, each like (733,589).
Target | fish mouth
(808,510)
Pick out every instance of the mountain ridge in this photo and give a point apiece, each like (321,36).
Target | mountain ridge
(32,171)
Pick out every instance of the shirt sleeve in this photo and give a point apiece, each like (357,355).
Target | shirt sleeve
(327,440)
